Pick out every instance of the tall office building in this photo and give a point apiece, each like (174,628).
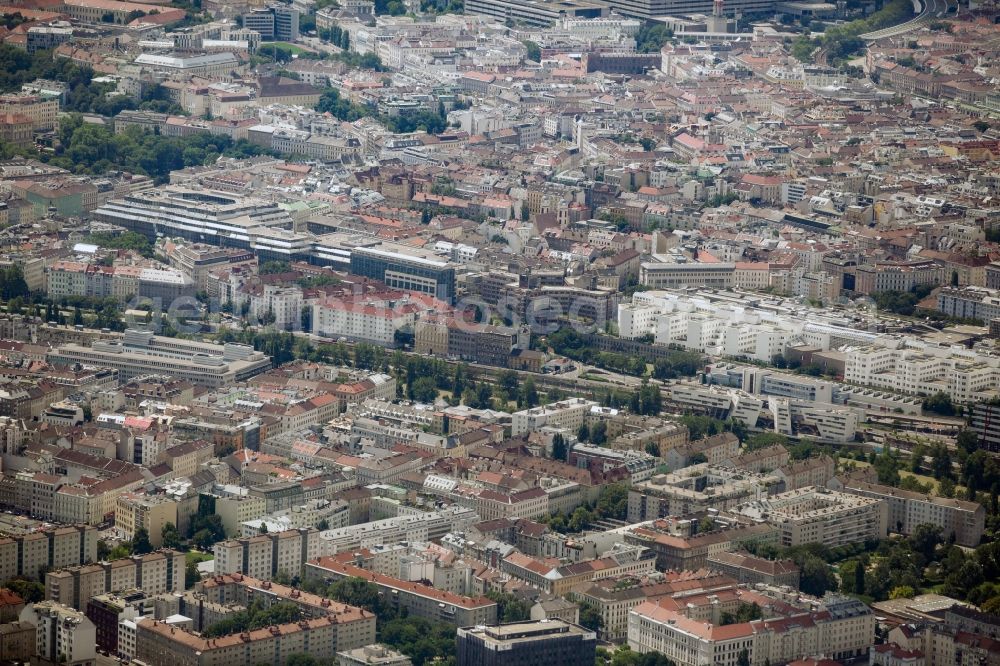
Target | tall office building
(549,642)
(274,23)
(985,422)
(407,268)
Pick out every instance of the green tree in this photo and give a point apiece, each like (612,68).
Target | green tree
(301,660)
(599,433)
(902,592)
(12,283)
(361,593)
(764,440)
(958,583)
(509,607)
(529,394)
(816,578)
(203,539)
(612,502)
(651,37)
(925,539)
(171,537)
(558,447)
(507,383)
(256,616)
(29,590)
(803,48)
(425,389)
(340,108)
(534,50)
(579,520)
(941,466)
(590,617)
(939,403)
(274,267)
(191,575)
(421,640)
(140,542)
(967,440)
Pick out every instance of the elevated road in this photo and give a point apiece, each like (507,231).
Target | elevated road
(925,10)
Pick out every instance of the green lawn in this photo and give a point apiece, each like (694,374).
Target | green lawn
(194,556)
(294,48)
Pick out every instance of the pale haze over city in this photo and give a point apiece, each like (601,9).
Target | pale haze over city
(500,332)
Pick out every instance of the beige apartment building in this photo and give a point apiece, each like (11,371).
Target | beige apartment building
(158,572)
(160,644)
(819,515)
(151,512)
(236,510)
(907,509)
(418,599)
(43,112)
(842,628)
(264,555)
(29,555)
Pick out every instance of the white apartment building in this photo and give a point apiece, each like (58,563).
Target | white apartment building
(63,634)
(694,488)
(595,28)
(568,414)
(706,326)
(76,278)
(734,323)
(284,304)
(127,638)
(752,275)
(307,515)
(915,368)
(371,322)
(819,515)
(421,527)
(531,503)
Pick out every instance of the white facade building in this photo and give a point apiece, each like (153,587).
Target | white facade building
(913,368)
(63,634)
(568,414)
(375,323)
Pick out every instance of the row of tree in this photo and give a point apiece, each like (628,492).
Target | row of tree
(95,149)
(571,344)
